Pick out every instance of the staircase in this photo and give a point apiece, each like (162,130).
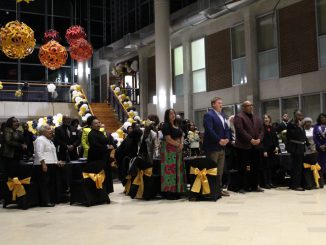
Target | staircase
(105,113)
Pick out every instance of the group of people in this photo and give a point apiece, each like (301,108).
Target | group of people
(243,142)
(51,151)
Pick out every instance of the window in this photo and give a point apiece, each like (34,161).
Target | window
(199,115)
(267,47)
(239,68)
(198,65)
(32,73)
(272,108)
(178,70)
(228,110)
(290,105)
(311,106)
(321,14)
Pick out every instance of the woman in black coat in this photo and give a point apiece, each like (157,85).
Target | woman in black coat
(270,149)
(99,152)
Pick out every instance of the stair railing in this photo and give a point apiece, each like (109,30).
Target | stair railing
(117,106)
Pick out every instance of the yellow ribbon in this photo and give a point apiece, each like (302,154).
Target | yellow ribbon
(27,1)
(140,181)
(314,168)
(128,185)
(97,178)
(201,181)
(16,186)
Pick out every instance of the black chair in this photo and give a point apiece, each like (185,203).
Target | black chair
(202,163)
(311,171)
(84,190)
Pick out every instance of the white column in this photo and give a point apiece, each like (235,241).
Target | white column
(83,74)
(187,81)
(162,56)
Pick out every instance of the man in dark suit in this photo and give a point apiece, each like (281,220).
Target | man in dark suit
(283,125)
(67,139)
(217,134)
(249,135)
(296,140)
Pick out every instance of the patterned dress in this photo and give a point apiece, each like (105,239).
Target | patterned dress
(172,165)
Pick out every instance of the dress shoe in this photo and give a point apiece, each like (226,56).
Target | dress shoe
(272,186)
(242,191)
(267,186)
(225,194)
(298,189)
(49,204)
(258,189)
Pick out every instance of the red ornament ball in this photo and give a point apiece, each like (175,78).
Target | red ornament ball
(74,33)
(53,55)
(81,50)
(51,35)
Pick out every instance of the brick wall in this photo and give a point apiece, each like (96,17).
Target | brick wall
(151,78)
(218,60)
(298,42)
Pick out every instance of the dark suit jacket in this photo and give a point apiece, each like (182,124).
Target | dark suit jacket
(296,133)
(61,140)
(214,131)
(247,129)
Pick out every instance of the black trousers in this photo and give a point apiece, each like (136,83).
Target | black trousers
(297,170)
(249,161)
(46,183)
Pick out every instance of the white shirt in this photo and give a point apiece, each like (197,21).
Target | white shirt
(44,150)
(221,118)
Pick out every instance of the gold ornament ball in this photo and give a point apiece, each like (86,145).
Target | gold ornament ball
(53,55)
(17,40)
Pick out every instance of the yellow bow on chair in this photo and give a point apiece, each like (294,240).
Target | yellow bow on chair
(16,186)
(201,181)
(128,184)
(27,1)
(97,178)
(314,168)
(140,181)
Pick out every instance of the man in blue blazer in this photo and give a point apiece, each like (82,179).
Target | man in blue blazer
(216,137)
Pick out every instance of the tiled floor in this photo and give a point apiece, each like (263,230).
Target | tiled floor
(277,216)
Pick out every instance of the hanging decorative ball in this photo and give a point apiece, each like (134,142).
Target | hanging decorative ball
(81,50)
(1,86)
(17,40)
(53,55)
(51,35)
(74,33)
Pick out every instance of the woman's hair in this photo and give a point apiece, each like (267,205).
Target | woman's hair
(306,119)
(43,128)
(10,122)
(319,117)
(269,117)
(154,118)
(167,116)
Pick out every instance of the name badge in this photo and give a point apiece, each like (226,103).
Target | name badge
(73,133)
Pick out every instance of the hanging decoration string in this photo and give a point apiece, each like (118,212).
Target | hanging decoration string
(52,15)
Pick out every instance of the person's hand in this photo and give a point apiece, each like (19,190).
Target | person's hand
(253,142)
(223,142)
(110,147)
(179,147)
(276,150)
(265,154)
(24,146)
(257,141)
(44,167)
(61,163)
(70,147)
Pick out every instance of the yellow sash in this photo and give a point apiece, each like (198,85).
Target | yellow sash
(201,181)
(314,168)
(16,186)
(140,181)
(128,185)
(97,178)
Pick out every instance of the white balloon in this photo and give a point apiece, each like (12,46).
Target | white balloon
(137,118)
(78,99)
(126,125)
(131,111)
(130,103)
(51,87)
(74,93)
(134,65)
(115,135)
(135,113)
(117,89)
